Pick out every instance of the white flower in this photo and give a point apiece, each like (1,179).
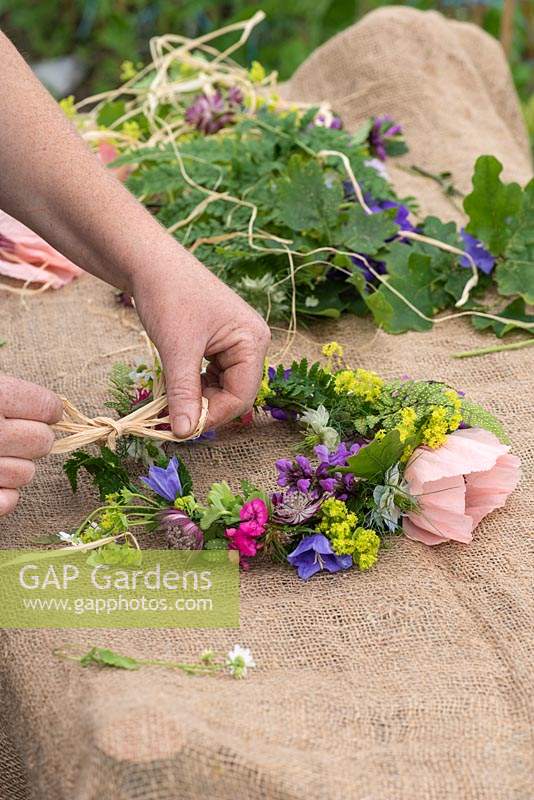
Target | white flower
(324,117)
(238,660)
(68,538)
(317,420)
(378,166)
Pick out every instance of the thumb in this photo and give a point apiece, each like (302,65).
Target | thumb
(182,380)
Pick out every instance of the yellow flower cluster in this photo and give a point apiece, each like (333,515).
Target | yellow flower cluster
(67,106)
(265,390)
(257,72)
(361,382)
(131,129)
(332,349)
(456,403)
(442,421)
(128,71)
(366,548)
(186,503)
(406,426)
(435,430)
(340,525)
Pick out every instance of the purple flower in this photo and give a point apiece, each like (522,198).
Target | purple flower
(122,298)
(328,120)
(165,481)
(383,129)
(482,257)
(401,217)
(300,476)
(278,413)
(293,508)
(338,457)
(181,533)
(313,554)
(378,266)
(235,96)
(209,113)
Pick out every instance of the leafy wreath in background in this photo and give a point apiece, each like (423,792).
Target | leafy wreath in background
(297,214)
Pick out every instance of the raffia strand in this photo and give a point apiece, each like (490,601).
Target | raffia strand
(83,430)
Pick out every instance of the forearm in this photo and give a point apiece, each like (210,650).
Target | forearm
(50,180)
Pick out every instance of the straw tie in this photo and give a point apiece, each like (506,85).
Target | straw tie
(144,422)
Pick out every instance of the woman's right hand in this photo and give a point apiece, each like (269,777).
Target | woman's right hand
(26,413)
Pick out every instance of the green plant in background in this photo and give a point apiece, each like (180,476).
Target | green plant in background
(292,211)
(104,33)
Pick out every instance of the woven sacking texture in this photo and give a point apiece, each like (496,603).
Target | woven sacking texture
(410,682)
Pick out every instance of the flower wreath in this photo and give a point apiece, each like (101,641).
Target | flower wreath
(382,458)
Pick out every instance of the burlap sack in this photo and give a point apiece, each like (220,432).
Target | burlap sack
(411,682)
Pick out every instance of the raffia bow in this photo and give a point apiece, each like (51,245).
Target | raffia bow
(143,422)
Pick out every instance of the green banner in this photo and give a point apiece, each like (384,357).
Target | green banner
(168,589)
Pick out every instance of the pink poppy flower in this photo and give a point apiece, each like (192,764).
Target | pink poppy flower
(26,257)
(457,485)
(107,153)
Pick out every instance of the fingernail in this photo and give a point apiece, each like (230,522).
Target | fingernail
(181,425)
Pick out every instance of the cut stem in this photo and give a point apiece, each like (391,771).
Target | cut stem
(498,348)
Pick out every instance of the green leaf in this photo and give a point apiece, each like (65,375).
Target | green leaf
(108,658)
(412,275)
(221,502)
(372,461)
(366,233)
(492,205)
(110,112)
(117,555)
(515,311)
(216,544)
(305,201)
(477,417)
(516,274)
(107,471)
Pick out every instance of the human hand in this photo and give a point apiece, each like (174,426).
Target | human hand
(26,412)
(190,314)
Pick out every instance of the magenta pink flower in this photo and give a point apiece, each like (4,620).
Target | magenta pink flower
(457,485)
(254,517)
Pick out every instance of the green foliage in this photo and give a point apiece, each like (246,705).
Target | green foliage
(104,34)
(222,504)
(373,461)
(366,233)
(477,417)
(492,206)
(103,657)
(116,555)
(305,201)
(106,470)
(120,389)
(515,311)
(516,274)
(303,387)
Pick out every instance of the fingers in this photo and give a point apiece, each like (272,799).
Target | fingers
(24,400)
(182,382)
(16,472)
(239,370)
(8,500)
(20,438)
